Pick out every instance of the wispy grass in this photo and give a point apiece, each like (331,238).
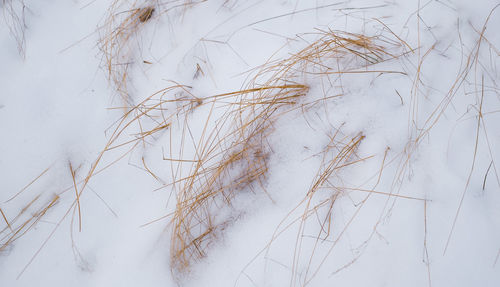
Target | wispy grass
(15,19)
(239,141)
(125,20)
(24,221)
(230,153)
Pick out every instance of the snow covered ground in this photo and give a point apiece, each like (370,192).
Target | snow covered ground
(249,143)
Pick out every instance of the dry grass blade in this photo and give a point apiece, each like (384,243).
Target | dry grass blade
(5,219)
(17,230)
(29,184)
(73,173)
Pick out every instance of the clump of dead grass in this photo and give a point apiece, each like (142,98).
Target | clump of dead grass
(124,22)
(230,159)
(333,54)
(239,140)
(117,33)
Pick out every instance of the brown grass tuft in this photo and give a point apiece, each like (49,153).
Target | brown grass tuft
(123,24)
(238,142)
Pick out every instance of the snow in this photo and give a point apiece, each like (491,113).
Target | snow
(415,202)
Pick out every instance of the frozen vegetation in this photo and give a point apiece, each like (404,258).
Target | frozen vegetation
(249,143)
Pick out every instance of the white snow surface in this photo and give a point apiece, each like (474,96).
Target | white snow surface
(430,146)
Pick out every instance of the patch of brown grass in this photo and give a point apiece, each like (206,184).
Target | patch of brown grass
(239,140)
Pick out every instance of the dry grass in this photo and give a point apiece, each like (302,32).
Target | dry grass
(118,34)
(334,54)
(29,216)
(238,142)
(231,152)
(230,159)
(14,16)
